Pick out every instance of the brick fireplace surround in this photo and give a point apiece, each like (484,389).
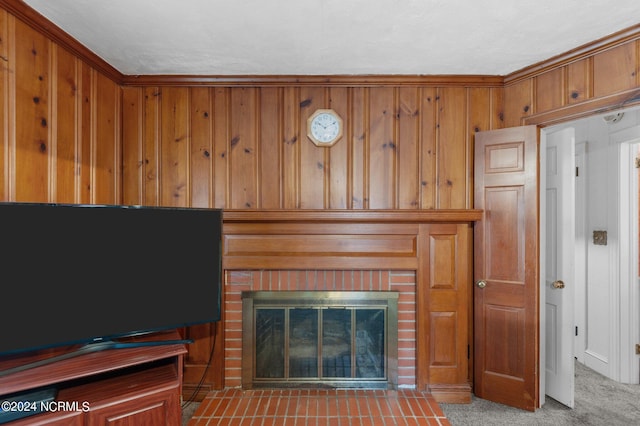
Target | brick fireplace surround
(426,256)
(403,282)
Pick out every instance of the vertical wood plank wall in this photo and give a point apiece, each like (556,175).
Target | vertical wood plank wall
(70,132)
(246,148)
(60,130)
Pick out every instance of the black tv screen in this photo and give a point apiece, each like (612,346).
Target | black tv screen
(83,273)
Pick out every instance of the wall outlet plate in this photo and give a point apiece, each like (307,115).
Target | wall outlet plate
(600,238)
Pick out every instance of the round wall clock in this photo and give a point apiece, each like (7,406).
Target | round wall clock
(324,127)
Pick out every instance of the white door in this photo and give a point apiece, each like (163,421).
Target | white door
(559,212)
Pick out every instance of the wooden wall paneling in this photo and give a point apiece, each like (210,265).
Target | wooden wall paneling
(192,137)
(339,156)
(270,148)
(291,149)
(482,116)
(200,374)
(550,89)
(448,311)
(467,282)
(204,363)
(151,146)
(518,101)
(579,81)
(427,152)
(201,146)
(6,116)
(615,70)
(497,109)
(221,146)
(132,143)
(382,148)
(408,148)
(452,150)
(443,249)
(32,143)
(206,337)
(107,164)
(84,133)
(422,300)
(63,124)
(443,318)
(480,107)
(71,127)
(443,347)
(243,154)
(313,159)
(174,147)
(357,125)
(598,77)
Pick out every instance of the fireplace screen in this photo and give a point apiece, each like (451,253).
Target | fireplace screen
(319,338)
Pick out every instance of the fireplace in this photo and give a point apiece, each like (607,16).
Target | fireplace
(424,256)
(336,339)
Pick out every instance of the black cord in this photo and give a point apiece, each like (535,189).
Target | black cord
(204,375)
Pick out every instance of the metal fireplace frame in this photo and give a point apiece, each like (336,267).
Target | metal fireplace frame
(387,300)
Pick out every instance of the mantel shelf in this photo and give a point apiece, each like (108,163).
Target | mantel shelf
(353,216)
(333,239)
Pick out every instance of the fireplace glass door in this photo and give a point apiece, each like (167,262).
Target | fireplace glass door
(340,341)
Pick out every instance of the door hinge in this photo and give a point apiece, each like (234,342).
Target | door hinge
(637,348)
(577,171)
(576,330)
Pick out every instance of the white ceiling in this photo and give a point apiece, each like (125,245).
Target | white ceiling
(334,37)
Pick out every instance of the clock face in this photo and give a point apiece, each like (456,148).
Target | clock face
(325,127)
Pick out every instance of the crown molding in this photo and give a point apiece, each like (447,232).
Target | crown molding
(395,80)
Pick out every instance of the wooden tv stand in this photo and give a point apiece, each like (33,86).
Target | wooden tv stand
(141,385)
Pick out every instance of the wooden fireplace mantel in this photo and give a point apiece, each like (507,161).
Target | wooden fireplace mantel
(351,216)
(437,244)
(330,239)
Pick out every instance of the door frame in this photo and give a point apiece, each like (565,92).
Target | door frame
(567,115)
(628,367)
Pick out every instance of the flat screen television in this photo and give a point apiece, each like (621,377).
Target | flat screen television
(82,274)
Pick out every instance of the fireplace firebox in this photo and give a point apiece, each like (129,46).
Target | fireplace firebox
(334,339)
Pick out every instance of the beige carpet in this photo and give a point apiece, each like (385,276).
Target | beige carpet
(188,408)
(598,402)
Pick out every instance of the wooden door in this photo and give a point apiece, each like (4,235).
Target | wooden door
(506,268)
